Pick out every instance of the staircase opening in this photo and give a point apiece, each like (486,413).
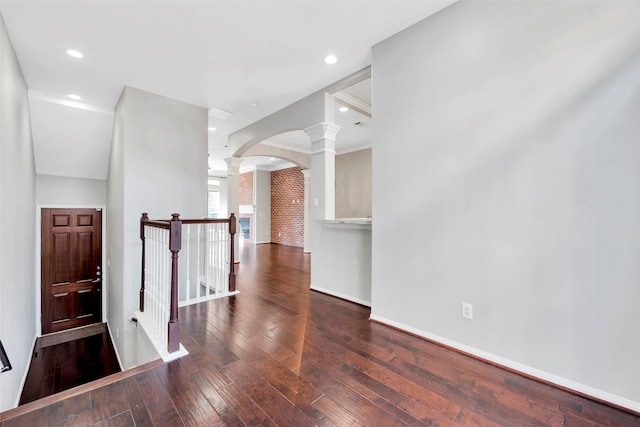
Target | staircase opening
(67,359)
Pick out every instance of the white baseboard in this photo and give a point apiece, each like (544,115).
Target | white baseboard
(341,295)
(528,370)
(115,349)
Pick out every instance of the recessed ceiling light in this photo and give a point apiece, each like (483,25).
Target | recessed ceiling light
(74,97)
(343,109)
(272,158)
(75,53)
(330,59)
(212,128)
(253,103)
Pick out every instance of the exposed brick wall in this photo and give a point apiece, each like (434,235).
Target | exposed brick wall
(246,188)
(287,218)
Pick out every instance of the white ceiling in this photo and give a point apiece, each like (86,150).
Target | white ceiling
(221,55)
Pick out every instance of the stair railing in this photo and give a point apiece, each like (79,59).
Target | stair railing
(209,257)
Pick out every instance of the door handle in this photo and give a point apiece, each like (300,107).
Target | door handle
(98,280)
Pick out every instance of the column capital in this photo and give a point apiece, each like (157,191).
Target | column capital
(233,164)
(323,130)
(306,173)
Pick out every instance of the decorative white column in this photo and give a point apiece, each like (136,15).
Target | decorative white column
(233,196)
(323,167)
(322,195)
(307,209)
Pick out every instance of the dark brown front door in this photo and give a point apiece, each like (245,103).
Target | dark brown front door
(71,268)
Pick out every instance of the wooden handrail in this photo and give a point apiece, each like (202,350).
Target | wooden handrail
(206,221)
(158,223)
(5,365)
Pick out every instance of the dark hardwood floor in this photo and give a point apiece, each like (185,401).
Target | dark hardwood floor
(278,354)
(68,359)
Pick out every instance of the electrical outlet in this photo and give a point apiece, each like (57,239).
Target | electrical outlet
(117,333)
(467,311)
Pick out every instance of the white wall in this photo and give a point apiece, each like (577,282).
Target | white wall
(353,184)
(59,190)
(115,237)
(342,261)
(17,224)
(158,164)
(505,175)
(262,213)
(61,149)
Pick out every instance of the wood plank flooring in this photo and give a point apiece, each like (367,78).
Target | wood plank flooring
(64,360)
(278,354)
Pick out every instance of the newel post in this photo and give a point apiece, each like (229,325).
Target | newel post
(175,243)
(143,219)
(232,269)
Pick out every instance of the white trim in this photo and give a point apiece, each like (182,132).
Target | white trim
(352,102)
(341,295)
(286,147)
(38,278)
(351,80)
(262,242)
(322,132)
(115,349)
(367,146)
(322,151)
(361,223)
(282,166)
(247,169)
(339,151)
(157,344)
(537,373)
(26,371)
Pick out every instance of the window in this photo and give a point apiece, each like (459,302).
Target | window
(213,204)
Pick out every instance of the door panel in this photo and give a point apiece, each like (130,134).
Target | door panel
(60,255)
(71,270)
(61,306)
(86,267)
